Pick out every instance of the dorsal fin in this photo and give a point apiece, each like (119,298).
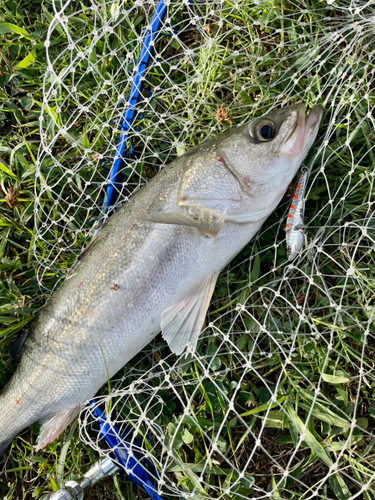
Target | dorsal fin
(17,348)
(91,244)
(86,250)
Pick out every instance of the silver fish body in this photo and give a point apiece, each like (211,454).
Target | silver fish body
(152,267)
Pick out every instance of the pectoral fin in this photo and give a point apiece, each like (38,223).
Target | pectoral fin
(182,323)
(53,426)
(207,221)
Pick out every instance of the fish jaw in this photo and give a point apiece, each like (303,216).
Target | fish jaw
(294,148)
(303,134)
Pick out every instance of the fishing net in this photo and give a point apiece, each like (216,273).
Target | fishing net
(278,400)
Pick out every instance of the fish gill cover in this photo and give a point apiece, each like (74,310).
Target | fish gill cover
(278,399)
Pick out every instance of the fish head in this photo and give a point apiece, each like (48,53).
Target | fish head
(271,149)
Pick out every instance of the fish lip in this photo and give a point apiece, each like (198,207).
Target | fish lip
(302,131)
(313,121)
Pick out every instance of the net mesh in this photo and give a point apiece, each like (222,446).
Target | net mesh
(277,401)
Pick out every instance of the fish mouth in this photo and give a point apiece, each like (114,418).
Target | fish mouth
(303,131)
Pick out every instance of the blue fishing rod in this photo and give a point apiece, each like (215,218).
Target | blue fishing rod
(135,95)
(139,470)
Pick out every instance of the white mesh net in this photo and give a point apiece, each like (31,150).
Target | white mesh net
(277,402)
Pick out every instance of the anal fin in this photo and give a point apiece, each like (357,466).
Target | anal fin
(182,323)
(53,425)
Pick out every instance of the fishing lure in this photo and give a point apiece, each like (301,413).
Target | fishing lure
(295,234)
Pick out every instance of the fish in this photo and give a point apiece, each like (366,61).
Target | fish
(294,226)
(153,267)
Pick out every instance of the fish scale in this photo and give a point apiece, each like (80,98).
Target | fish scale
(152,267)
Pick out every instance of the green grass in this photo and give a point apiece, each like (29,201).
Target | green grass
(328,360)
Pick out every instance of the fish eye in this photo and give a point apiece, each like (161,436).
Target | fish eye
(264,130)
